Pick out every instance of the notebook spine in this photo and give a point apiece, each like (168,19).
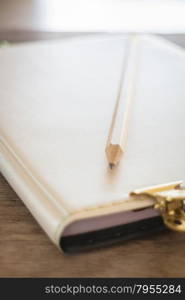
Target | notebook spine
(43,209)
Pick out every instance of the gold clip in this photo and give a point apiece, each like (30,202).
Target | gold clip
(169,200)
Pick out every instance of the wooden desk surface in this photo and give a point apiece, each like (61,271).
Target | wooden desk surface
(25,250)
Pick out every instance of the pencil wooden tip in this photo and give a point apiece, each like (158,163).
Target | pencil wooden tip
(114,153)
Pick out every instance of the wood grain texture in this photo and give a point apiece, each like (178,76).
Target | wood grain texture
(25,250)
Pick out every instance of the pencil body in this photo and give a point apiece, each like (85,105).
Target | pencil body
(119,126)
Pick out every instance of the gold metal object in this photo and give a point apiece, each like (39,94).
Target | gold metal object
(169,200)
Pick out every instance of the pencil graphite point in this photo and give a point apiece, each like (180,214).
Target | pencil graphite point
(111,166)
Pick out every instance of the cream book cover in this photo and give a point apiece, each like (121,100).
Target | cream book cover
(56,105)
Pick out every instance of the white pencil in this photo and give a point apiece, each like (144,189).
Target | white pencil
(119,127)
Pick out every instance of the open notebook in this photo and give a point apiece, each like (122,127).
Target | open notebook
(56,105)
